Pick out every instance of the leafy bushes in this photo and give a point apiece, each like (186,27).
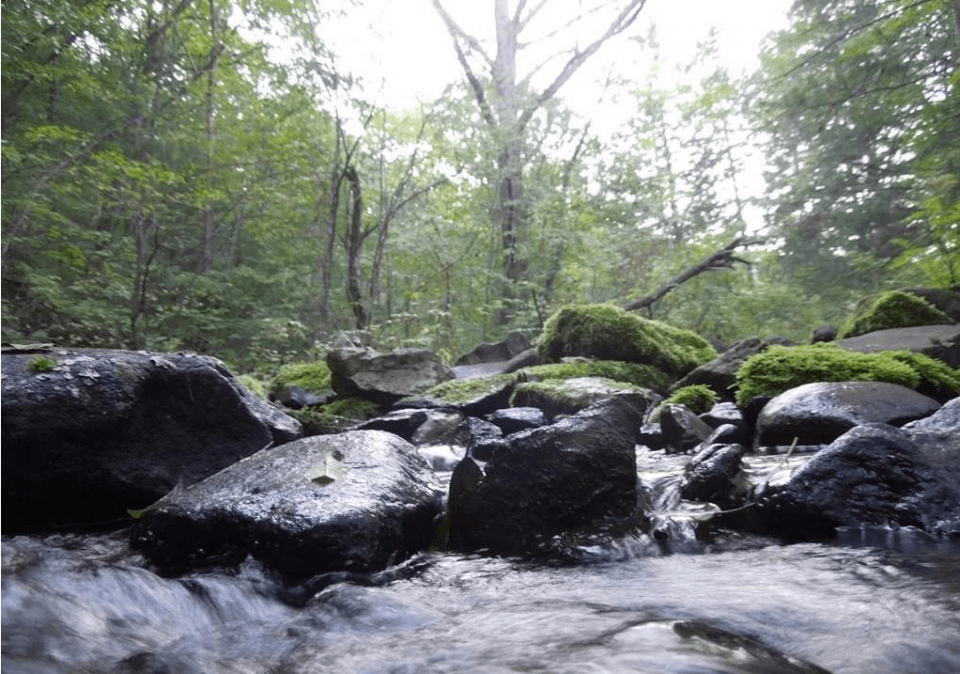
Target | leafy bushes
(606,332)
(781,368)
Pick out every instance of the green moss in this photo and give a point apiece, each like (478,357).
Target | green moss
(336,416)
(895,309)
(781,368)
(254,384)
(698,398)
(606,332)
(461,391)
(41,364)
(645,376)
(313,377)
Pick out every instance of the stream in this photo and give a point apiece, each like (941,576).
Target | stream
(873,601)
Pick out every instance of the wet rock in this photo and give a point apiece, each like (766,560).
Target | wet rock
(384,377)
(296,398)
(404,422)
(473,398)
(354,501)
(711,476)
(937,341)
(514,419)
(819,413)
(825,333)
(874,474)
(480,438)
(105,431)
(728,414)
(545,481)
(651,436)
(720,374)
(512,345)
(559,397)
(682,429)
(440,427)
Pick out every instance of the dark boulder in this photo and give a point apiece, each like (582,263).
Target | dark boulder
(819,413)
(403,422)
(937,341)
(384,377)
(560,397)
(104,431)
(711,475)
(720,374)
(543,482)
(515,419)
(875,474)
(512,345)
(355,501)
(728,414)
(682,429)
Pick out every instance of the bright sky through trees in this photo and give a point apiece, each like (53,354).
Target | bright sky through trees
(403,50)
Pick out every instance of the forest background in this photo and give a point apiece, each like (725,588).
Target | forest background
(172,180)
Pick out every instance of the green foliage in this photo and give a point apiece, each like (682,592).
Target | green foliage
(698,398)
(336,416)
(781,368)
(253,384)
(644,376)
(313,377)
(895,309)
(606,332)
(41,364)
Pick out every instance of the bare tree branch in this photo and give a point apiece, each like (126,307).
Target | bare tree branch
(721,259)
(623,21)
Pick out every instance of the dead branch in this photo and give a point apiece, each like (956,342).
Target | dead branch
(721,259)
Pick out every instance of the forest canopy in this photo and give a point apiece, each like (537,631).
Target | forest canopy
(168,183)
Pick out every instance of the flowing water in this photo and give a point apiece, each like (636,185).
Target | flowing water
(876,601)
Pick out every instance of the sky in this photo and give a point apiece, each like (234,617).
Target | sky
(402,50)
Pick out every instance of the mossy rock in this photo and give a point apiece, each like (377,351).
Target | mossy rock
(336,416)
(781,368)
(313,377)
(607,332)
(895,309)
(644,376)
(698,398)
(567,396)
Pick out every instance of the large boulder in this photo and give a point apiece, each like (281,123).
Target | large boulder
(384,377)
(512,345)
(103,431)
(720,374)
(545,481)
(937,341)
(558,397)
(875,474)
(819,413)
(355,501)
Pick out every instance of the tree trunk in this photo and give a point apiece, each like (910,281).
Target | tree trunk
(354,245)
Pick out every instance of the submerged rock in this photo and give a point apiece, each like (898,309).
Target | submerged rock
(819,413)
(542,482)
(103,431)
(354,501)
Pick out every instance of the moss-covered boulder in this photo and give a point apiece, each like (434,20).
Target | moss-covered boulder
(312,376)
(894,309)
(336,416)
(781,368)
(635,374)
(607,332)
(562,397)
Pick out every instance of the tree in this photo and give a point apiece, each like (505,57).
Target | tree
(507,104)
(854,97)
